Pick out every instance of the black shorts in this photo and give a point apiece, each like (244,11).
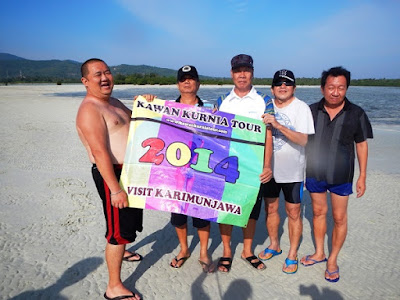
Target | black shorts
(123,223)
(178,220)
(293,191)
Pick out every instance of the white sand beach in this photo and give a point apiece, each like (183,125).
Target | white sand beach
(52,225)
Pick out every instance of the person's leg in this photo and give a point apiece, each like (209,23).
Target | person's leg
(295,226)
(179,221)
(204,235)
(320,209)
(204,259)
(339,233)
(272,221)
(181,232)
(248,236)
(114,252)
(226,233)
(113,255)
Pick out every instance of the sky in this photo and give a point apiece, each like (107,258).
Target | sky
(306,37)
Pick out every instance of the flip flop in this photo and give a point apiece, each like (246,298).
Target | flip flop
(313,261)
(226,266)
(127,258)
(289,262)
(120,297)
(207,267)
(254,264)
(183,259)
(331,273)
(271,251)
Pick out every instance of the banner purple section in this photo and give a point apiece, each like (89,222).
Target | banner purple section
(185,178)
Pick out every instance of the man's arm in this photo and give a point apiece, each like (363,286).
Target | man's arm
(294,136)
(362,157)
(266,174)
(93,127)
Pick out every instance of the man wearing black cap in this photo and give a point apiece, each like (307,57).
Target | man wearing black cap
(292,123)
(188,83)
(244,100)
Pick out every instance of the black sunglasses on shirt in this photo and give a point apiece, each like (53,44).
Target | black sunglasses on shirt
(287,83)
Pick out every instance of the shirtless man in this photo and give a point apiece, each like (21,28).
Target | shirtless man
(103,124)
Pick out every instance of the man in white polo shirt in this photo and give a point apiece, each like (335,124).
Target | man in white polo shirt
(244,100)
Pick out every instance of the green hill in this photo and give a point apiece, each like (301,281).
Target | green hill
(14,69)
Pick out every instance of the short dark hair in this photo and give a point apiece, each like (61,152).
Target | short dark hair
(335,72)
(84,66)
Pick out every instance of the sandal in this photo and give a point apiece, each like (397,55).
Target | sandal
(207,267)
(177,260)
(227,266)
(133,254)
(269,251)
(289,262)
(255,264)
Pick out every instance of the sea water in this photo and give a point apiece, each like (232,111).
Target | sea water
(382,104)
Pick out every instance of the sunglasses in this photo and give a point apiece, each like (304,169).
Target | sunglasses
(183,79)
(287,83)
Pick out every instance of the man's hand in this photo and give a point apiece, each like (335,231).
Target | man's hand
(270,119)
(119,200)
(266,175)
(148,97)
(360,186)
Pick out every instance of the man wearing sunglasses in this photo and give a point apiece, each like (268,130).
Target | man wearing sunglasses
(292,123)
(188,83)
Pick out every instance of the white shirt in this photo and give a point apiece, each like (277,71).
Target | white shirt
(252,105)
(288,159)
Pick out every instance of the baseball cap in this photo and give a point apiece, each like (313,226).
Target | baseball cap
(188,70)
(242,60)
(283,75)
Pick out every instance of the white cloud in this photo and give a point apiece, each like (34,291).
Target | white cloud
(239,6)
(182,20)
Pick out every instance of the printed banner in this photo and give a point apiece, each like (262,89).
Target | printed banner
(188,160)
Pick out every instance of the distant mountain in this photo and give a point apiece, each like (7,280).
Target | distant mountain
(14,67)
(142,69)
(6,56)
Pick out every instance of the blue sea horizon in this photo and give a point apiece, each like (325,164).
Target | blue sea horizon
(382,104)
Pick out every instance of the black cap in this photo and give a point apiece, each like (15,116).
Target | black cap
(188,70)
(242,60)
(283,75)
